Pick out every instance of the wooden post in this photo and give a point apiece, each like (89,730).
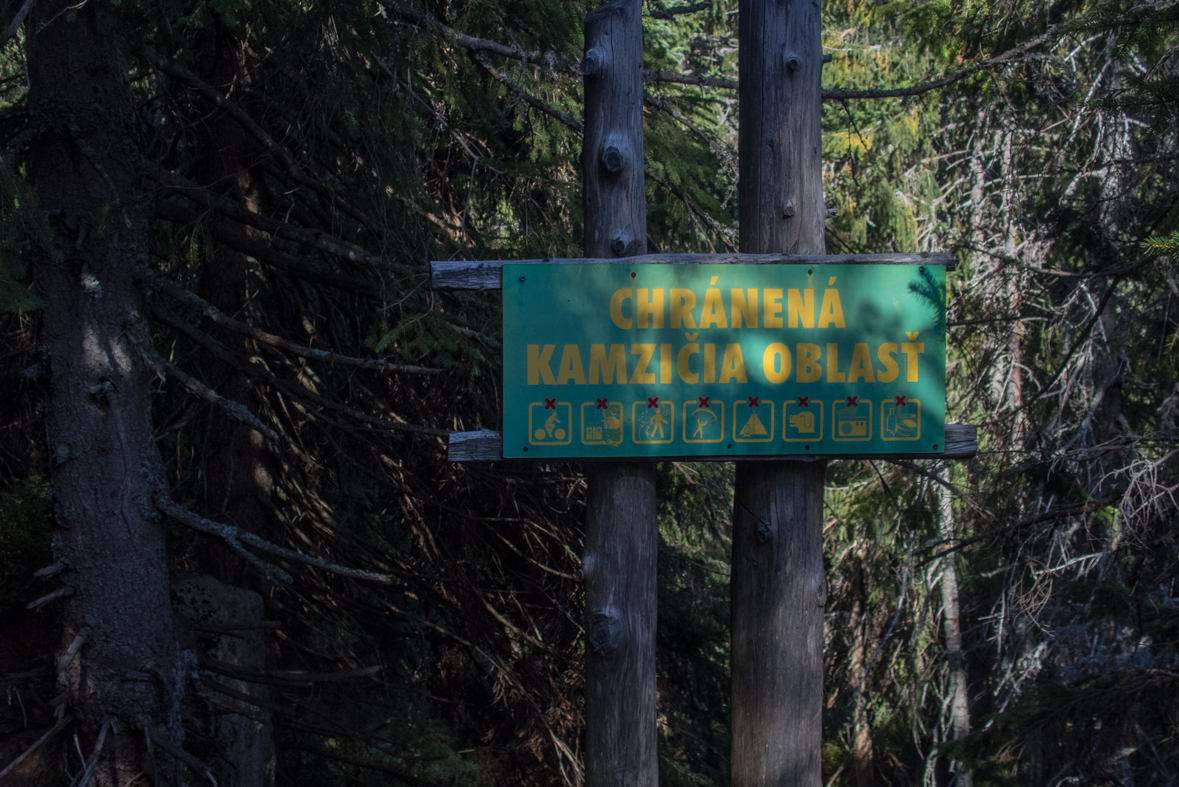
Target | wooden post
(621,529)
(778,586)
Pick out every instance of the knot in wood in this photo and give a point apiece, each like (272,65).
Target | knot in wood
(788,209)
(792,62)
(594,62)
(605,628)
(613,159)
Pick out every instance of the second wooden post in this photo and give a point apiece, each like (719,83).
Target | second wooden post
(778,585)
(621,529)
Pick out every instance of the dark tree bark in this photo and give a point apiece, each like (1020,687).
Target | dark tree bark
(622,533)
(97,400)
(778,587)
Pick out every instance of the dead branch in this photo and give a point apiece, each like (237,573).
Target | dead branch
(284,677)
(56,728)
(59,593)
(51,570)
(235,537)
(160,740)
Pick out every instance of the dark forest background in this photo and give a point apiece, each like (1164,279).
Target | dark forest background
(231,546)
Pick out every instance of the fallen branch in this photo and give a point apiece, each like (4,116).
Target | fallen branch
(56,728)
(235,537)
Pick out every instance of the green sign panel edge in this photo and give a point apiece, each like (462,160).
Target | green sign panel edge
(648,361)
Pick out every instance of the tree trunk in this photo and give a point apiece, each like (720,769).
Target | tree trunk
(97,399)
(959,707)
(622,533)
(778,587)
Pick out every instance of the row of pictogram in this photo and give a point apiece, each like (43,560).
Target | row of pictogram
(703,420)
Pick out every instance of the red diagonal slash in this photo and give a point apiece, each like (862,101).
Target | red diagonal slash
(853,401)
(804,401)
(755,401)
(652,403)
(900,401)
(550,404)
(704,402)
(602,404)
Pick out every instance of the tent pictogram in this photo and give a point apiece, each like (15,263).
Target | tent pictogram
(753,420)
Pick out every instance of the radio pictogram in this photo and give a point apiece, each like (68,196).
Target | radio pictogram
(550,423)
(753,420)
(704,422)
(802,420)
(851,420)
(900,419)
(652,421)
(601,423)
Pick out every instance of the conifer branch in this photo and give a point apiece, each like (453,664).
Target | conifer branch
(674,11)
(189,298)
(836,94)
(234,409)
(236,537)
(293,169)
(530,99)
(472,43)
(725,234)
(236,239)
(279,229)
(294,390)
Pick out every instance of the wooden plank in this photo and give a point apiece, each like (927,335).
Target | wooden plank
(486,274)
(487,446)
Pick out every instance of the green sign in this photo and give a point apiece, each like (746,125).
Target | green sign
(616,360)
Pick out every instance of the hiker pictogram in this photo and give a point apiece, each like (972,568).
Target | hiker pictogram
(753,422)
(702,422)
(601,422)
(550,423)
(653,421)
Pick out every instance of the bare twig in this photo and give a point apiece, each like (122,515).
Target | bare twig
(56,728)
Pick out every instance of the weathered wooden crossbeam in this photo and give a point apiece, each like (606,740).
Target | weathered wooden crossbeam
(487,446)
(486,274)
